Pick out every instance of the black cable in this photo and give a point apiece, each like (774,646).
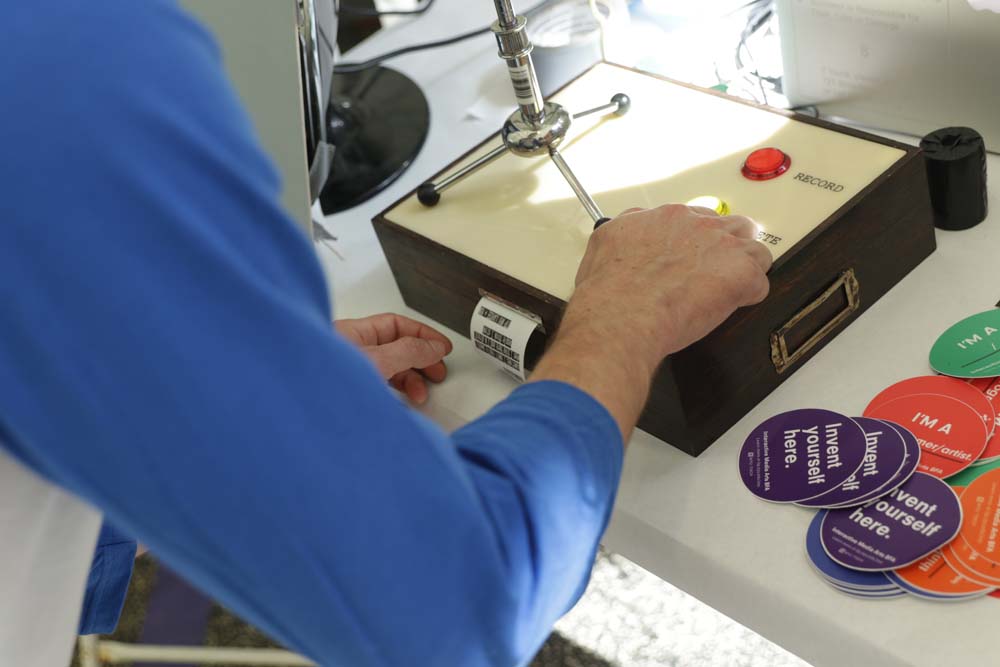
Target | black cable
(352,68)
(759,16)
(364,12)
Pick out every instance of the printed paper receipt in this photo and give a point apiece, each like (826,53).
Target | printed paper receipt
(502,334)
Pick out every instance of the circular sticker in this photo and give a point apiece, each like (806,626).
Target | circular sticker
(911,460)
(971,348)
(946,386)
(937,597)
(969,564)
(900,528)
(969,475)
(836,573)
(801,454)
(934,575)
(892,594)
(885,455)
(981,508)
(951,434)
(990,387)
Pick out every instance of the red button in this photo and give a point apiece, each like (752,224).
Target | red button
(766,163)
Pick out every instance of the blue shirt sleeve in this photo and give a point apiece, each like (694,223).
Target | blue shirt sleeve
(166,353)
(107,582)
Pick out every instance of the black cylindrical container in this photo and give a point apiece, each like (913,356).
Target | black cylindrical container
(956,171)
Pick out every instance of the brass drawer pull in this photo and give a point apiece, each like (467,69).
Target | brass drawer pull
(786,344)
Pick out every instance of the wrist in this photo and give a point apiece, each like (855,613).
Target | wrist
(613,326)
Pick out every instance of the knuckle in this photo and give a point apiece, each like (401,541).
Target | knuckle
(672,211)
(413,346)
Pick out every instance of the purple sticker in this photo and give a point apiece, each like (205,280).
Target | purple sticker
(836,573)
(801,454)
(909,466)
(900,528)
(884,458)
(878,595)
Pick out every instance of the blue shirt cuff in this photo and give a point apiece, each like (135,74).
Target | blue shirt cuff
(107,584)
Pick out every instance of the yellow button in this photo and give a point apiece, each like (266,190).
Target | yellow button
(714,203)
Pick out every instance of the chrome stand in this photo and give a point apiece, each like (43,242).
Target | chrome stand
(537,127)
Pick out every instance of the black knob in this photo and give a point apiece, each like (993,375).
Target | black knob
(428,194)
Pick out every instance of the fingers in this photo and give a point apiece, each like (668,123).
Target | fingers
(757,290)
(760,255)
(408,353)
(391,327)
(411,384)
(387,328)
(436,373)
(744,228)
(701,210)
(740,226)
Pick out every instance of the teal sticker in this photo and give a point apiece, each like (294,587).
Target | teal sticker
(969,475)
(970,349)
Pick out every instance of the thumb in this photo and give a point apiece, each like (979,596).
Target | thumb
(406,353)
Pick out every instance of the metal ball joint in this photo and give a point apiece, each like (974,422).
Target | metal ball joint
(624,103)
(538,127)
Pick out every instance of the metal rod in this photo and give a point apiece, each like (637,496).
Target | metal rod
(469,168)
(515,50)
(588,203)
(430,193)
(619,106)
(505,13)
(116,652)
(601,109)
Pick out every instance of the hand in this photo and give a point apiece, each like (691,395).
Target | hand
(651,283)
(405,352)
(672,274)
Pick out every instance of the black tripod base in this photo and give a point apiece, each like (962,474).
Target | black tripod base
(377,122)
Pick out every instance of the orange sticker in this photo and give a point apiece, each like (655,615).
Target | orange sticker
(951,434)
(934,575)
(981,515)
(971,565)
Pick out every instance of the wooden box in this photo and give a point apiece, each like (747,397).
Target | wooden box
(847,221)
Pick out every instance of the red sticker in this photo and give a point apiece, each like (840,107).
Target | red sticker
(951,434)
(991,389)
(964,391)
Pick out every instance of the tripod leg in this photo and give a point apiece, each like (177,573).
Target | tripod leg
(429,194)
(619,106)
(588,202)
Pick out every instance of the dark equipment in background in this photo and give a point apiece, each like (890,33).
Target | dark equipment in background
(376,119)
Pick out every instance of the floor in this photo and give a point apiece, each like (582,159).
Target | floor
(627,618)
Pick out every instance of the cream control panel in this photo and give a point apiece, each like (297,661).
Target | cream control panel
(675,145)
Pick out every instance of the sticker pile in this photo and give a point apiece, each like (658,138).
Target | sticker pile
(909,493)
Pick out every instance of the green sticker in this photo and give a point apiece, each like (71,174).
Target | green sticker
(971,348)
(969,475)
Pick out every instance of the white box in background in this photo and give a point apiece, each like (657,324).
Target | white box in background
(907,65)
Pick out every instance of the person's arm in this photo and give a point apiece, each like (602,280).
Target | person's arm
(166,353)
(651,283)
